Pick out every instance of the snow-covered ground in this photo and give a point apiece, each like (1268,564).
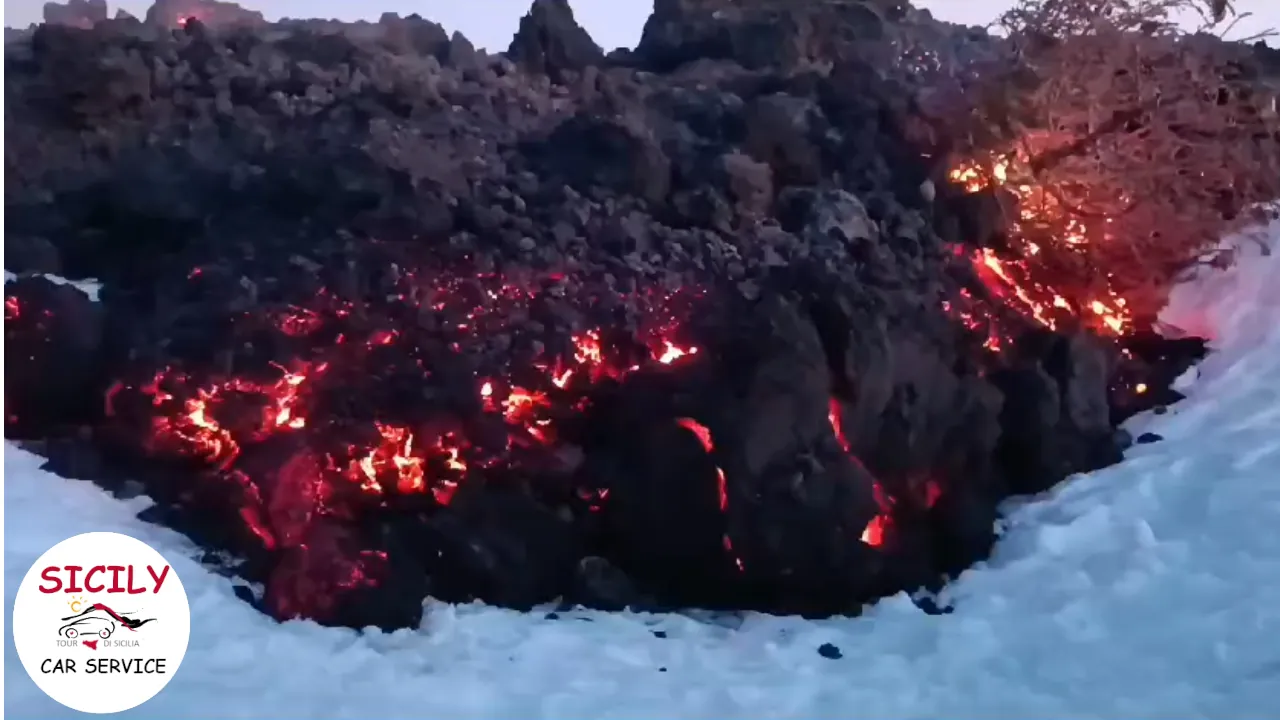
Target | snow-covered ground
(1149,589)
(88,287)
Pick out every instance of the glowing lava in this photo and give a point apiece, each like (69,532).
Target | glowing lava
(703,433)
(1020,281)
(874,532)
(190,416)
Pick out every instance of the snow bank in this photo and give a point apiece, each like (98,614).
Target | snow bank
(89,287)
(1146,589)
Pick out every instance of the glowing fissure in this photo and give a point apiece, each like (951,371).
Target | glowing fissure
(703,433)
(194,430)
(1015,281)
(188,420)
(212,421)
(874,533)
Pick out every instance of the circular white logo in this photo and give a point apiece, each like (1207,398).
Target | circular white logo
(101,622)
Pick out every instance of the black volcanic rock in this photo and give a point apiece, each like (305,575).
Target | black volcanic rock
(1268,56)
(75,13)
(550,42)
(25,254)
(53,357)
(214,13)
(621,155)
(755,33)
(415,34)
(1056,416)
(439,227)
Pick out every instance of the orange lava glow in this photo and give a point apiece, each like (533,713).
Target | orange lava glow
(207,421)
(299,322)
(671,353)
(874,532)
(703,433)
(837,426)
(342,466)
(1022,282)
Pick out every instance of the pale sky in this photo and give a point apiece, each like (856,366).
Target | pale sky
(613,23)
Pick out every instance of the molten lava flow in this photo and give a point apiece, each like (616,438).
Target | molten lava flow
(521,404)
(671,353)
(203,437)
(191,426)
(837,425)
(874,533)
(187,413)
(299,322)
(587,349)
(983,324)
(703,433)
(526,408)
(12,308)
(1025,282)
(932,493)
(302,447)
(401,460)
(284,396)
(704,436)
(395,453)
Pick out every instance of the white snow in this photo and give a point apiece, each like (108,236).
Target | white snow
(89,287)
(1149,589)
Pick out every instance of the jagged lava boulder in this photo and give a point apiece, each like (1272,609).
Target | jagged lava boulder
(550,42)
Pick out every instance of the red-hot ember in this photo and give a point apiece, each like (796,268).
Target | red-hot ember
(874,533)
(299,322)
(343,467)
(703,433)
(221,421)
(932,493)
(837,425)
(1021,282)
(190,426)
(671,353)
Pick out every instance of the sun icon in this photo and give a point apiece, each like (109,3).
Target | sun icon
(75,603)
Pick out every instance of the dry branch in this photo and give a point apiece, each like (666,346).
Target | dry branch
(1142,143)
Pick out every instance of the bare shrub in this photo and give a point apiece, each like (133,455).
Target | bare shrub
(1128,147)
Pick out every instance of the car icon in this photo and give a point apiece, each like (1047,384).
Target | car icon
(86,625)
(98,620)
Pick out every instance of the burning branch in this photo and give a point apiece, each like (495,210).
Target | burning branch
(1132,147)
